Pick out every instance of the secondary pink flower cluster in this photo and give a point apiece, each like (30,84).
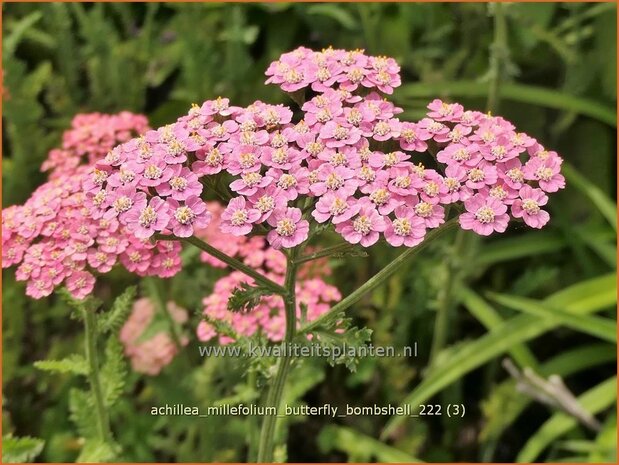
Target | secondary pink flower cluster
(151,355)
(91,136)
(268,317)
(54,238)
(347,163)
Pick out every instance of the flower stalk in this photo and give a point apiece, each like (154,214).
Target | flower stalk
(276,391)
(379,278)
(92,357)
(228,260)
(499,54)
(326,252)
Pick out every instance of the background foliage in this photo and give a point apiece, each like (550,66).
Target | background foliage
(558,83)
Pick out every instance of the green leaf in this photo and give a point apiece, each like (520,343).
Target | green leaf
(517,92)
(603,328)
(18,30)
(587,296)
(360,447)
(75,364)
(114,371)
(90,303)
(592,295)
(246,297)
(594,400)
(96,451)
(490,318)
(606,443)
(115,318)
(525,245)
(342,341)
(81,407)
(20,450)
(605,205)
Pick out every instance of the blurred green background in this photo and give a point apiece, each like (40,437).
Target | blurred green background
(557,78)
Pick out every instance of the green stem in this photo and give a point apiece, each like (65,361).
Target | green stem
(445,296)
(498,56)
(231,262)
(154,290)
(252,426)
(379,278)
(327,251)
(274,397)
(92,356)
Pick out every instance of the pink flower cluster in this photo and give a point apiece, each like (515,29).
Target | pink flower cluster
(53,237)
(151,355)
(339,69)
(268,317)
(91,136)
(347,162)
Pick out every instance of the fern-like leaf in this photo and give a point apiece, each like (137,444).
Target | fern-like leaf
(20,450)
(112,321)
(245,297)
(75,364)
(339,336)
(114,371)
(96,451)
(81,406)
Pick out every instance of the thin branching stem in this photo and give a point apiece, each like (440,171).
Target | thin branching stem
(228,260)
(326,252)
(379,278)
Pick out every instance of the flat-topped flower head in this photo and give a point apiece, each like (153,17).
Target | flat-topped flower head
(346,159)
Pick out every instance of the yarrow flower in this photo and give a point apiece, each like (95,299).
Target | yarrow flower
(349,163)
(150,356)
(91,137)
(56,239)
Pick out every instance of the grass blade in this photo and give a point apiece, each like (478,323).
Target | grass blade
(490,318)
(603,328)
(587,297)
(516,92)
(605,205)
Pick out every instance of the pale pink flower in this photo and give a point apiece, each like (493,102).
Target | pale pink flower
(184,218)
(144,222)
(237,218)
(406,229)
(441,111)
(484,215)
(334,206)
(182,185)
(365,227)
(528,206)
(546,172)
(481,175)
(289,229)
